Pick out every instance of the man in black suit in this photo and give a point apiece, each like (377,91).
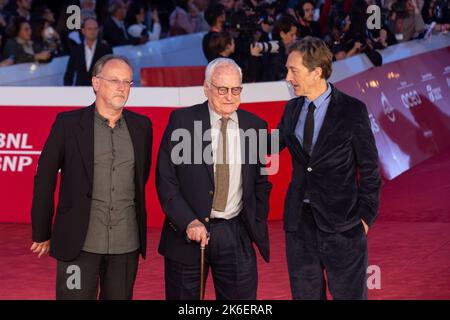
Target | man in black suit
(84,56)
(114,30)
(214,191)
(333,196)
(104,154)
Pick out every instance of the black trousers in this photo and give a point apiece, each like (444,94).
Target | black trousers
(231,257)
(111,274)
(343,257)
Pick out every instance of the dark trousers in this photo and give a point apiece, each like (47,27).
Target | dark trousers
(343,256)
(111,274)
(231,257)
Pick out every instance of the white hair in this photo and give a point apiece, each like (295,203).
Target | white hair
(220,62)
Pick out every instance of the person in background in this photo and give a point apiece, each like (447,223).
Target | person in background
(84,56)
(201,6)
(45,37)
(114,30)
(20,47)
(184,19)
(306,25)
(285,32)
(221,45)
(215,16)
(135,23)
(406,21)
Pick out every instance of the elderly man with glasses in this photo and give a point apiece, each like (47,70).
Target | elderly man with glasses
(104,154)
(214,194)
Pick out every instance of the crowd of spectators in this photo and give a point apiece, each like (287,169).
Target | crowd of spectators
(255,33)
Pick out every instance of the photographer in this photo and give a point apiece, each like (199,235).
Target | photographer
(304,13)
(245,25)
(284,31)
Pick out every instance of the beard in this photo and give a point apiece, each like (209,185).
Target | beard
(118,102)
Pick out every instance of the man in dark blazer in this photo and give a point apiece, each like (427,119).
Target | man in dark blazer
(214,192)
(333,196)
(104,154)
(114,29)
(84,56)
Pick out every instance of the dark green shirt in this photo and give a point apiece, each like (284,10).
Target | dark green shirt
(113,227)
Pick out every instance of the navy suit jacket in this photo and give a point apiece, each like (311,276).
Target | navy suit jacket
(186,190)
(342,173)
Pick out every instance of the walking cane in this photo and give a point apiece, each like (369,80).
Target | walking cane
(202,272)
(202,269)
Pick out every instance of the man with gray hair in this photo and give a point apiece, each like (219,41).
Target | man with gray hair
(104,154)
(212,194)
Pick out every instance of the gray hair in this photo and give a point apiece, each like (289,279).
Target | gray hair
(98,67)
(220,62)
(114,5)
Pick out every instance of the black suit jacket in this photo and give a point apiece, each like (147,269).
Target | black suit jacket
(70,147)
(116,36)
(76,64)
(342,173)
(186,190)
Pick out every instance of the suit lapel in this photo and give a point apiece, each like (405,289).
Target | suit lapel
(203,116)
(245,151)
(331,118)
(138,140)
(85,139)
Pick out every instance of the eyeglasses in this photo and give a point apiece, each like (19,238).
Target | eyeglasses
(235,91)
(117,82)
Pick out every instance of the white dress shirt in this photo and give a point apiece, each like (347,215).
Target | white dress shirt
(89,54)
(235,191)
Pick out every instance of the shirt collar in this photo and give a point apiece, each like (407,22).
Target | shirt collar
(102,120)
(320,99)
(214,116)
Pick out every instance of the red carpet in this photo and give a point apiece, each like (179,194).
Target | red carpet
(410,243)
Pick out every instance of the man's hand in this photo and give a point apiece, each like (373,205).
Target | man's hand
(41,248)
(366,227)
(196,231)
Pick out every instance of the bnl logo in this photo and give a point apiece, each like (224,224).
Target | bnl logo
(15,152)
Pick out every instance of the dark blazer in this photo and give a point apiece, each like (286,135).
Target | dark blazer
(342,172)
(186,190)
(70,147)
(116,36)
(76,65)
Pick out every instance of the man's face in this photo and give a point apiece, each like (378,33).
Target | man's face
(25,31)
(301,79)
(110,85)
(289,37)
(121,11)
(90,30)
(309,12)
(223,76)
(24,4)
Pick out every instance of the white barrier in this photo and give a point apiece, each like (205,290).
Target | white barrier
(187,51)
